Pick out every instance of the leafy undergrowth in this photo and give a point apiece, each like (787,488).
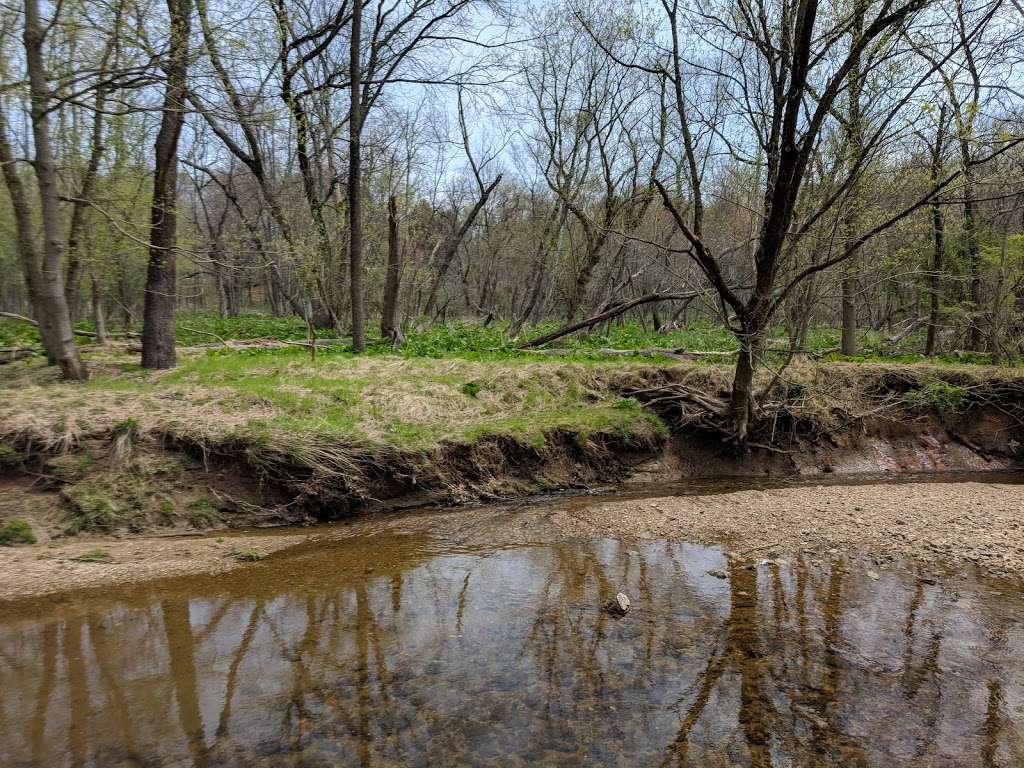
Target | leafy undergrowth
(474,341)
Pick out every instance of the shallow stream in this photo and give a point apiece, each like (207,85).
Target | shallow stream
(430,643)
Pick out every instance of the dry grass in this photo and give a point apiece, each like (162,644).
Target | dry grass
(336,426)
(336,421)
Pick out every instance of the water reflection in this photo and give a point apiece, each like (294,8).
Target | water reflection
(398,650)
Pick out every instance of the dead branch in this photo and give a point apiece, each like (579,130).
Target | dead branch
(615,311)
(77,332)
(11,354)
(679,353)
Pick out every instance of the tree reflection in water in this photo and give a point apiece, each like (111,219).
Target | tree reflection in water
(397,650)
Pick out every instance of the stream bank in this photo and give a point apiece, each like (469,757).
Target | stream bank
(140,454)
(968,520)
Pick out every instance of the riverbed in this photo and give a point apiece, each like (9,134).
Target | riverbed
(478,637)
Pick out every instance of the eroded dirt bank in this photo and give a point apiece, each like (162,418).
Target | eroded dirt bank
(940,524)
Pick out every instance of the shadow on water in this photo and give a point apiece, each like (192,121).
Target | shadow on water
(401,649)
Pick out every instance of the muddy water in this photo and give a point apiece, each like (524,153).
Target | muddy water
(413,646)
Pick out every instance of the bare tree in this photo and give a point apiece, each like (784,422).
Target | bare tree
(43,272)
(158,345)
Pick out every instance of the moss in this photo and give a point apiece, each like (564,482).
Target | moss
(105,503)
(202,513)
(9,458)
(93,556)
(246,555)
(16,531)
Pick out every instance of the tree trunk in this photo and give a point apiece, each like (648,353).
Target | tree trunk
(451,246)
(855,147)
(388,320)
(741,401)
(849,339)
(938,236)
(48,299)
(98,318)
(973,251)
(72,280)
(355,192)
(161,281)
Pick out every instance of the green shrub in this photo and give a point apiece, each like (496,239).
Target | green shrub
(17,531)
(9,458)
(938,396)
(202,513)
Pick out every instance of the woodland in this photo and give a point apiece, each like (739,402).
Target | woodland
(774,173)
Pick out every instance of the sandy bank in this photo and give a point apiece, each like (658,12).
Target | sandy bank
(976,522)
(28,571)
(953,523)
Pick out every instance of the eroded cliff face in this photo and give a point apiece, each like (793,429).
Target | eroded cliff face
(833,419)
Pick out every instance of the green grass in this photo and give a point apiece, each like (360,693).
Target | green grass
(246,555)
(93,556)
(473,341)
(16,531)
(449,383)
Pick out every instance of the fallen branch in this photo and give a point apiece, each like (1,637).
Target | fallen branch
(678,353)
(207,333)
(76,331)
(565,330)
(11,354)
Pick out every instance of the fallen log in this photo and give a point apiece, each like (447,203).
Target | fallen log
(76,331)
(12,354)
(565,330)
(674,352)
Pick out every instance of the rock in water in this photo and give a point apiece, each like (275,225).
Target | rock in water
(619,606)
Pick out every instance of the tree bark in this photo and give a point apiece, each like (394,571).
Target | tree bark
(355,193)
(741,401)
(161,281)
(938,238)
(72,279)
(99,319)
(389,320)
(854,130)
(48,299)
(973,250)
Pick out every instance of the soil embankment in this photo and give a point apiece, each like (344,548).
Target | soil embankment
(102,470)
